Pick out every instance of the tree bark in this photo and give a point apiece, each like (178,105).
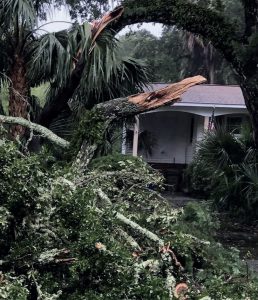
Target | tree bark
(18,94)
(250,92)
(143,102)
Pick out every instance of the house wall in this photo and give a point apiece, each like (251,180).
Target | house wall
(172,132)
(171,129)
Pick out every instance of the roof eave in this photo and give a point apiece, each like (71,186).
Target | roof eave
(214,105)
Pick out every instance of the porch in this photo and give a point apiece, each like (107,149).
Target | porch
(168,138)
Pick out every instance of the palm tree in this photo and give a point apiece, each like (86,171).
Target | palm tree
(84,65)
(17,19)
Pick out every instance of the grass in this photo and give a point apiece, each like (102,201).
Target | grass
(39,92)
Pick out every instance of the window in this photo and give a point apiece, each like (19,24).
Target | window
(234,124)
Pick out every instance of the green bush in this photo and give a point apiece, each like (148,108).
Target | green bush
(116,162)
(225,170)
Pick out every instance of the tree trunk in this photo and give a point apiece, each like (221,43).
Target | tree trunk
(250,92)
(143,102)
(19,92)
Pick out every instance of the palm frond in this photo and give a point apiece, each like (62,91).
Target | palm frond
(54,55)
(49,57)
(111,76)
(105,72)
(106,69)
(220,149)
(18,10)
(250,188)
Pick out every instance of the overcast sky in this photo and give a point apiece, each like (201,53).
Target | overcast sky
(63,15)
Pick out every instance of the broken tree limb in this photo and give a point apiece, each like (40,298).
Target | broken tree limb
(145,232)
(118,108)
(122,108)
(44,132)
(143,102)
(129,239)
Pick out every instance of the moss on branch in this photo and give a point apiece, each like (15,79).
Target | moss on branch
(44,132)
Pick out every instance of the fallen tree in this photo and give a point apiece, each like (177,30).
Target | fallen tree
(143,102)
(118,108)
(103,234)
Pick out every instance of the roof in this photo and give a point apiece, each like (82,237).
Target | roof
(208,94)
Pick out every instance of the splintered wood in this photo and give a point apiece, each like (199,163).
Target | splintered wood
(168,95)
(99,25)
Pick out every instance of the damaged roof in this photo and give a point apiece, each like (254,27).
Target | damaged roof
(208,94)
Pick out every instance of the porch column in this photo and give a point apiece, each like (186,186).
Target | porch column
(136,136)
(206,123)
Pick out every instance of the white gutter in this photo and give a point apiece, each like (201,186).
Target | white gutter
(208,105)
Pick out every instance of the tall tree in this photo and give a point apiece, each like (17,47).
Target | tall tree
(18,23)
(177,54)
(17,19)
(163,55)
(239,48)
(87,9)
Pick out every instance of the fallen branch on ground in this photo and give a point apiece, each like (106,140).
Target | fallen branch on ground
(152,236)
(129,239)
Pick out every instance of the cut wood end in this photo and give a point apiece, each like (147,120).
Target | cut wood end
(168,95)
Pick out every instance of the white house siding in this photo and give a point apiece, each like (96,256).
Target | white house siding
(172,133)
(198,131)
(199,123)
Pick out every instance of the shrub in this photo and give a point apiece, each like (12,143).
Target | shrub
(225,170)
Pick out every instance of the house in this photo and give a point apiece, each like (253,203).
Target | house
(167,137)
